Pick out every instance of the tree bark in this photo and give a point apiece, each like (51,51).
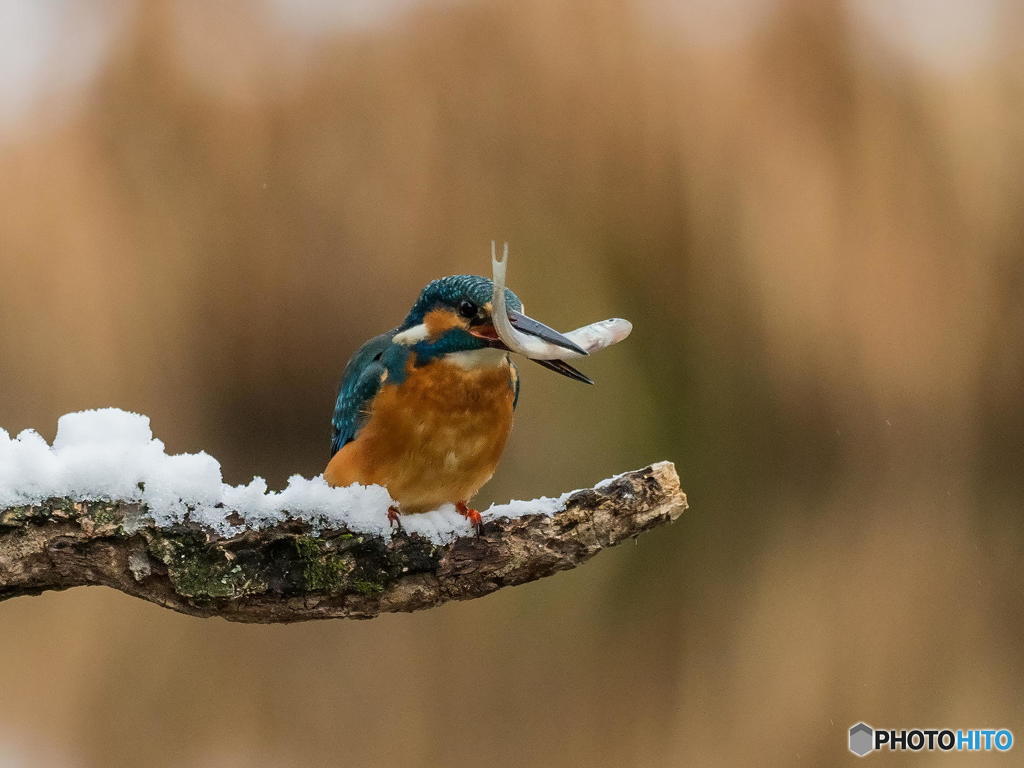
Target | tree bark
(286,573)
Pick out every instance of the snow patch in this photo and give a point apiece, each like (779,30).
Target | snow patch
(111,455)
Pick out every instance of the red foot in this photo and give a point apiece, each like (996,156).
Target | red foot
(394,518)
(472,515)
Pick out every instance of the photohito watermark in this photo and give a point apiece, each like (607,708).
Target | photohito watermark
(864,739)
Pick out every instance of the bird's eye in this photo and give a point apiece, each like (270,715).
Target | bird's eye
(467,309)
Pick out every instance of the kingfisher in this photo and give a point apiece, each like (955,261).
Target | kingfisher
(425,409)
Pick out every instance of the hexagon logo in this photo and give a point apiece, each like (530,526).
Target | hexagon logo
(862,739)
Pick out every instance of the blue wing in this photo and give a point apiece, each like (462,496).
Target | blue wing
(359,385)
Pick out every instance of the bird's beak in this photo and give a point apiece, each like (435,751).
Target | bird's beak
(562,367)
(528,325)
(525,324)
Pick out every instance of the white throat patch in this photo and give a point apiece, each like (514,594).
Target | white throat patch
(488,357)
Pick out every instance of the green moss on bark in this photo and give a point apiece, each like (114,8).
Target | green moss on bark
(323,569)
(105,516)
(199,570)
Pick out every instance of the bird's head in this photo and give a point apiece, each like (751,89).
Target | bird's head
(453,314)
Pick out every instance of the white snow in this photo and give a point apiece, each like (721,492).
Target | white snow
(111,455)
(545,505)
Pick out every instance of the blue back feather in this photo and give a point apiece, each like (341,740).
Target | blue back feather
(359,385)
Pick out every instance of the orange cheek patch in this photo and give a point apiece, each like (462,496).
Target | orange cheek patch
(440,321)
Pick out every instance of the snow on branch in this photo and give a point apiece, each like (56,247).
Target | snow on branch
(106,505)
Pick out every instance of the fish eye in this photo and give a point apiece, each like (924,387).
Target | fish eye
(467,309)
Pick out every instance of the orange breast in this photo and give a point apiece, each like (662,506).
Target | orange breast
(435,438)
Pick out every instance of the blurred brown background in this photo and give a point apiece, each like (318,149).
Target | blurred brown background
(810,209)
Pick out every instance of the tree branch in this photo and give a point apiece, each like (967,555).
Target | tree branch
(286,573)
